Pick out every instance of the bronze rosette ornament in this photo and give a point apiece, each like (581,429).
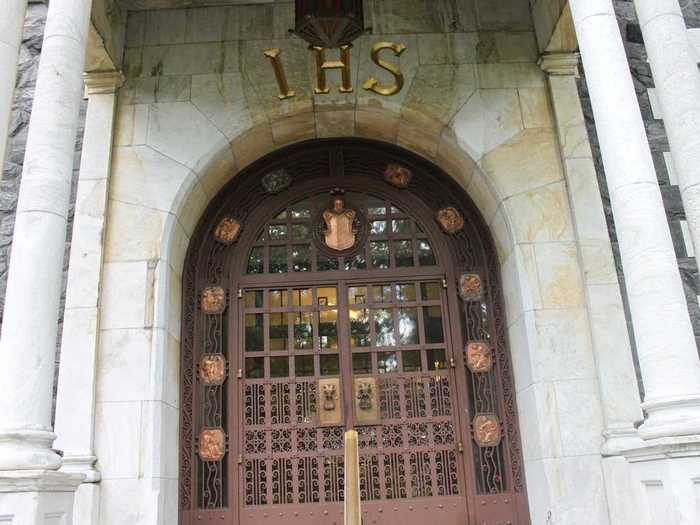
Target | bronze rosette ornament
(227,231)
(450,220)
(213,300)
(212,369)
(479,358)
(470,287)
(398,176)
(487,430)
(212,444)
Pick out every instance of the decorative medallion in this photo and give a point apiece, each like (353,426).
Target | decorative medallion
(212,369)
(227,231)
(470,287)
(212,444)
(450,220)
(330,403)
(367,401)
(340,228)
(479,357)
(276,181)
(398,175)
(213,300)
(487,430)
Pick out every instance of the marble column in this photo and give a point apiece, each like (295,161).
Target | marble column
(616,375)
(677,81)
(665,342)
(11,25)
(29,329)
(75,404)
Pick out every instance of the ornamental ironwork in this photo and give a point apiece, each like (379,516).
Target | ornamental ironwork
(329,23)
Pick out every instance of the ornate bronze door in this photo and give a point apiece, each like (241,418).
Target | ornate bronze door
(322,303)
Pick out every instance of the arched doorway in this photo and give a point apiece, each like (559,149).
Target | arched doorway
(341,284)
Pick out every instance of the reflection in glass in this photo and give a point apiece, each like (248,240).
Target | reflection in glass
(384,328)
(300,232)
(359,327)
(430,291)
(379,254)
(432,320)
(328,329)
(304,365)
(255,261)
(282,215)
(406,292)
(255,367)
(408,326)
(378,227)
(387,362)
(254,339)
(278,259)
(303,330)
(278,331)
(301,210)
(326,264)
(279,367)
(327,296)
(381,293)
(356,263)
(302,296)
(401,226)
(301,257)
(411,361)
(254,299)
(357,295)
(330,365)
(376,207)
(279,299)
(277,232)
(404,253)
(362,363)
(436,359)
(396,211)
(426,257)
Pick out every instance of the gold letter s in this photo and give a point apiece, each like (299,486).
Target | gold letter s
(372,84)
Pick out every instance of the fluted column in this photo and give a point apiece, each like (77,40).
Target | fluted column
(29,329)
(665,342)
(677,81)
(11,24)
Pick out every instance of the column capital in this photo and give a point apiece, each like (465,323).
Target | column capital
(102,82)
(559,63)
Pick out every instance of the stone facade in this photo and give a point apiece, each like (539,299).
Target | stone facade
(200,104)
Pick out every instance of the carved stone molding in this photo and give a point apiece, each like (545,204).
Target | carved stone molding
(559,64)
(102,82)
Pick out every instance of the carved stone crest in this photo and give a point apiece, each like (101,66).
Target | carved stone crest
(450,220)
(213,300)
(398,176)
(366,401)
(479,357)
(212,444)
(227,231)
(470,288)
(487,430)
(276,181)
(212,369)
(330,401)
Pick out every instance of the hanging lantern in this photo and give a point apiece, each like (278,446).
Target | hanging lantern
(329,23)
